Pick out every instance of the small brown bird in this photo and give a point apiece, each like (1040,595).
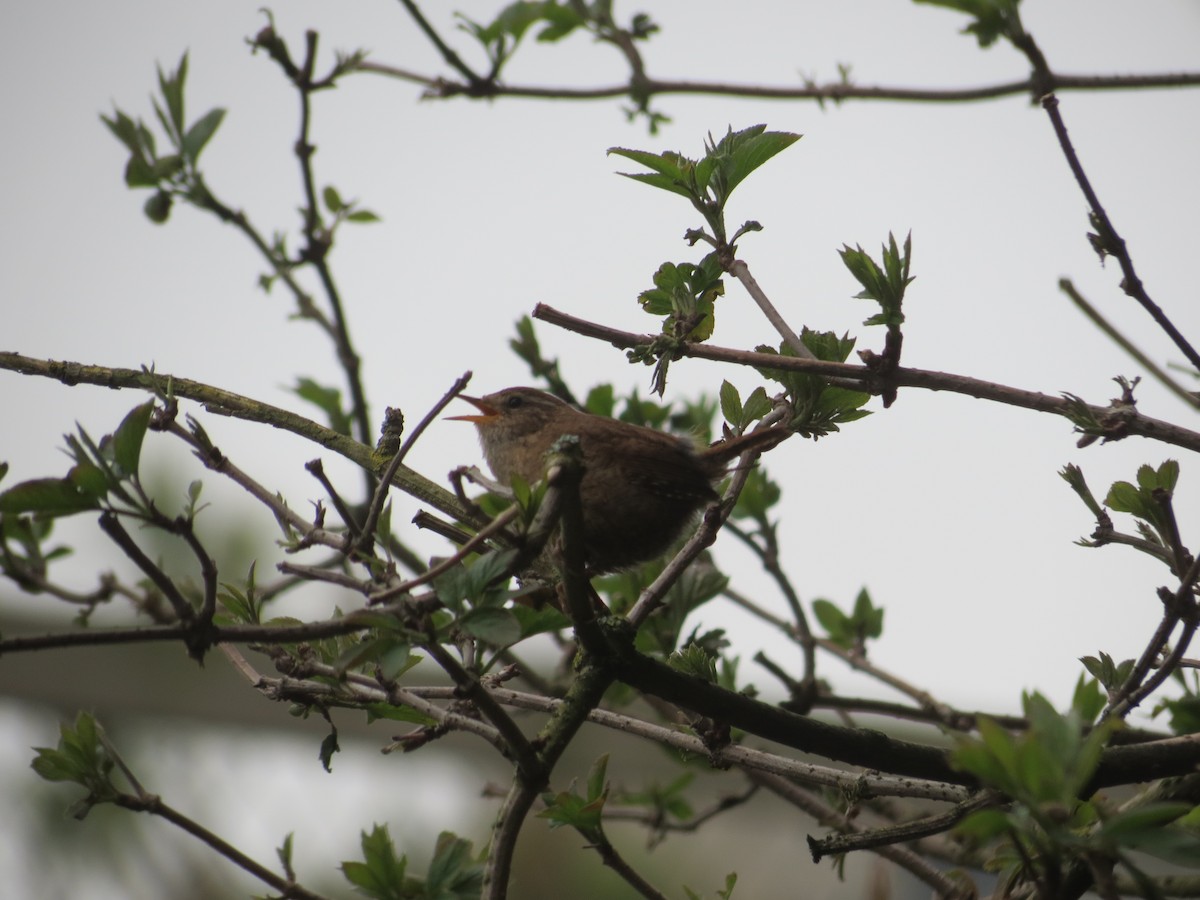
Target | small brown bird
(640,487)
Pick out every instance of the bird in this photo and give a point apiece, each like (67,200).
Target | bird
(640,487)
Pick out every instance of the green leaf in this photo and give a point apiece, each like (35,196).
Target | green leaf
(398,713)
(672,171)
(984,826)
(333,200)
(731,404)
(597,778)
(568,808)
(90,479)
(1143,818)
(493,625)
(127,439)
(200,133)
(747,150)
(125,130)
(382,874)
(601,400)
(80,758)
(328,400)
(452,872)
(172,87)
(758,404)
(284,852)
(539,621)
(835,622)
(47,496)
(885,285)
(1174,845)
(696,661)
(1124,497)
(1184,714)
(757,497)
(1088,699)
(362,217)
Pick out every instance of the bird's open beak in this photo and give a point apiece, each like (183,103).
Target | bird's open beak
(489,412)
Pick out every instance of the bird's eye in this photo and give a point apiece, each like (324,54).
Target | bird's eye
(514,401)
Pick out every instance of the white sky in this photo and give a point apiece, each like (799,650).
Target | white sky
(949,510)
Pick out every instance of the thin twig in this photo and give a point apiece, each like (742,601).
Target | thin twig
(144,801)
(318,241)
(904,832)
(1097,318)
(739,270)
(451,58)
(473,544)
(1110,242)
(111,525)
(529,766)
(831,818)
(381,491)
(216,461)
(325,574)
(836,92)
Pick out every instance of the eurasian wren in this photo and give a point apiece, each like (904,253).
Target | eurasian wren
(640,487)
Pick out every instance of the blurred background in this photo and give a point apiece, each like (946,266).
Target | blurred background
(948,509)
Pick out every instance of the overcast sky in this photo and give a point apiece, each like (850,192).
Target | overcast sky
(948,509)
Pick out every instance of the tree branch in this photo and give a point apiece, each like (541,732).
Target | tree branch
(1130,422)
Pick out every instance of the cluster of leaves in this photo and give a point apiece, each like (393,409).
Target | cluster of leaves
(500,38)
(1148,500)
(685,294)
(819,406)
(175,173)
(1045,772)
(455,872)
(709,182)
(80,758)
(851,630)
(885,285)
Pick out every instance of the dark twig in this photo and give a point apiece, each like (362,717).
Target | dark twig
(529,767)
(318,242)
(451,58)
(615,861)
(212,457)
(381,491)
(904,832)
(1137,686)
(768,555)
(111,525)
(316,468)
(831,818)
(836,92)
(143,801)
(470,546)
(1108,241)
